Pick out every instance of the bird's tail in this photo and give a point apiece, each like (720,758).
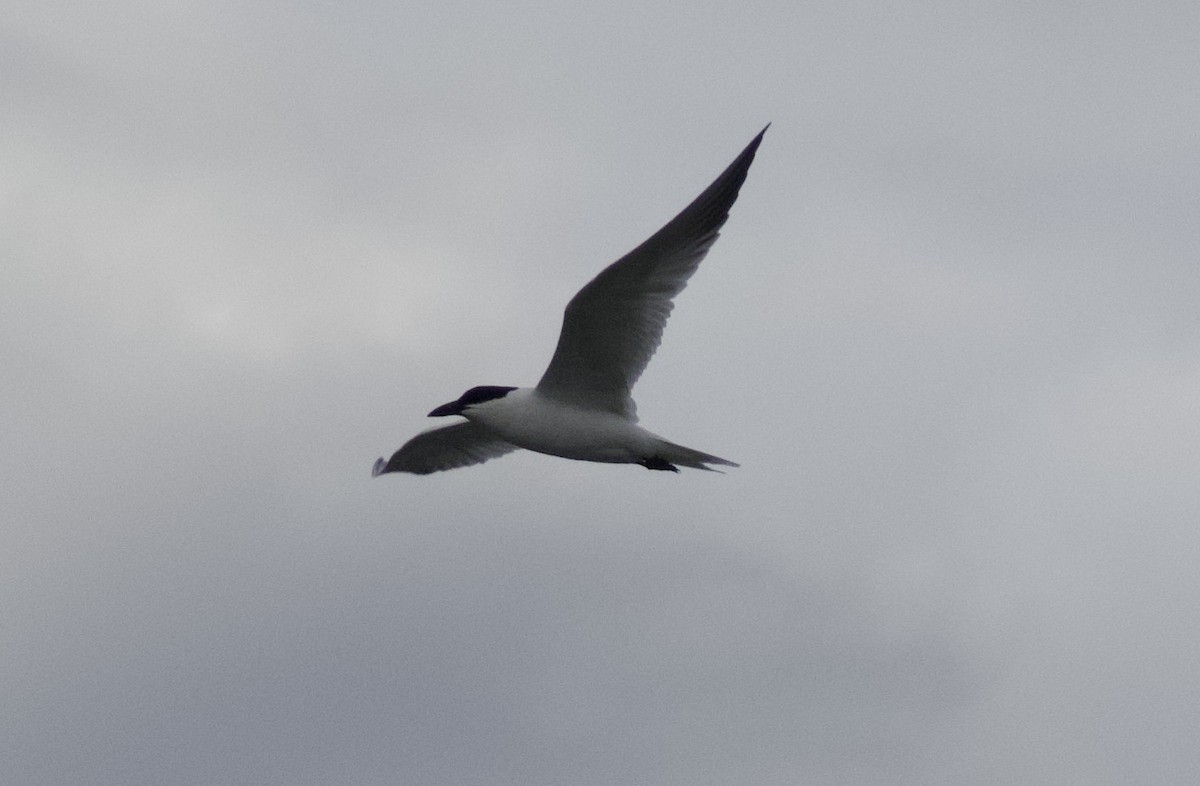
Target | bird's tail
(687,457)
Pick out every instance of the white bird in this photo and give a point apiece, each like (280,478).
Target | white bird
(581,408)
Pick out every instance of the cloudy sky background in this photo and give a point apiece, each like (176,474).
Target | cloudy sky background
(950,332)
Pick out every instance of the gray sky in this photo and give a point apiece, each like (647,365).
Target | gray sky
(950,332)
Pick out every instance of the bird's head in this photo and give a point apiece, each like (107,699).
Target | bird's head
(471,398)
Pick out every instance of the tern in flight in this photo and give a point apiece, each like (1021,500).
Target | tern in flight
(581,408)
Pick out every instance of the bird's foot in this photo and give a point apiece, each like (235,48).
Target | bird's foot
(658,463)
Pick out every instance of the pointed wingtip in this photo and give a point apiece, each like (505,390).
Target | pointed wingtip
(742,163)
(754,143)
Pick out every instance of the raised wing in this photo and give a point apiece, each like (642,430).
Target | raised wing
(448,447)
(613,325)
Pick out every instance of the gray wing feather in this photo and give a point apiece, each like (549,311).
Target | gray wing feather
(612,326)
(447,447)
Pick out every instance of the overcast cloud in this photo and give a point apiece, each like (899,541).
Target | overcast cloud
(950,332)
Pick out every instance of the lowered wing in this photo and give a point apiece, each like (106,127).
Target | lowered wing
(447,447)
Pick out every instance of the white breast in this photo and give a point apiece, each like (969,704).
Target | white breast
(536,422)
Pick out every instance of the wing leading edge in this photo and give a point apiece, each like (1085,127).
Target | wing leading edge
(613,325)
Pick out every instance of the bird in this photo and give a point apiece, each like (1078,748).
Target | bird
(582,407)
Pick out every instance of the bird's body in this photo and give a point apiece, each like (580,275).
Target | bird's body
(582,408)
(532,420)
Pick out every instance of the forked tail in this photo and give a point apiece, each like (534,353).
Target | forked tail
(670,454)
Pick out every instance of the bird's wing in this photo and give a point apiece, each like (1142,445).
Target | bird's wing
(613,325)
(447,447)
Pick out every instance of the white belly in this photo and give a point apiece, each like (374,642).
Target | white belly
(534,422)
